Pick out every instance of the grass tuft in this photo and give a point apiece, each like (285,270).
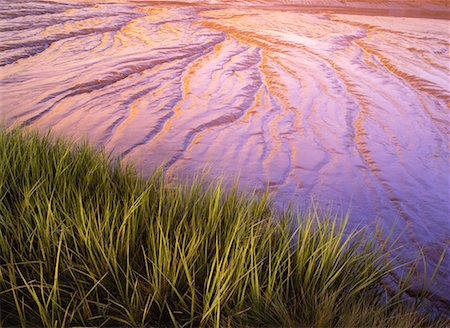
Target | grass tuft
(86,242)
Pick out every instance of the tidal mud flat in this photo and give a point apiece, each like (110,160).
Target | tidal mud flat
(349,109)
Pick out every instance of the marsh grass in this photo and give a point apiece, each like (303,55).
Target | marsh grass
(86,242)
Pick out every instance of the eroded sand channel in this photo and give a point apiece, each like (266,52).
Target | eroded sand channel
(352,110)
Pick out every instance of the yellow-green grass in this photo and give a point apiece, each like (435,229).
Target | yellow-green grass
(87,242)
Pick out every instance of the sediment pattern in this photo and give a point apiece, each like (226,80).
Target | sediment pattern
(345,109)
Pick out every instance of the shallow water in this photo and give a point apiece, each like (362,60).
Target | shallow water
(349,108)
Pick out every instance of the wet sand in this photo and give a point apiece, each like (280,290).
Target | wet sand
(347,103)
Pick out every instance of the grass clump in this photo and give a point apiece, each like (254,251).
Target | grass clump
(85,242)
